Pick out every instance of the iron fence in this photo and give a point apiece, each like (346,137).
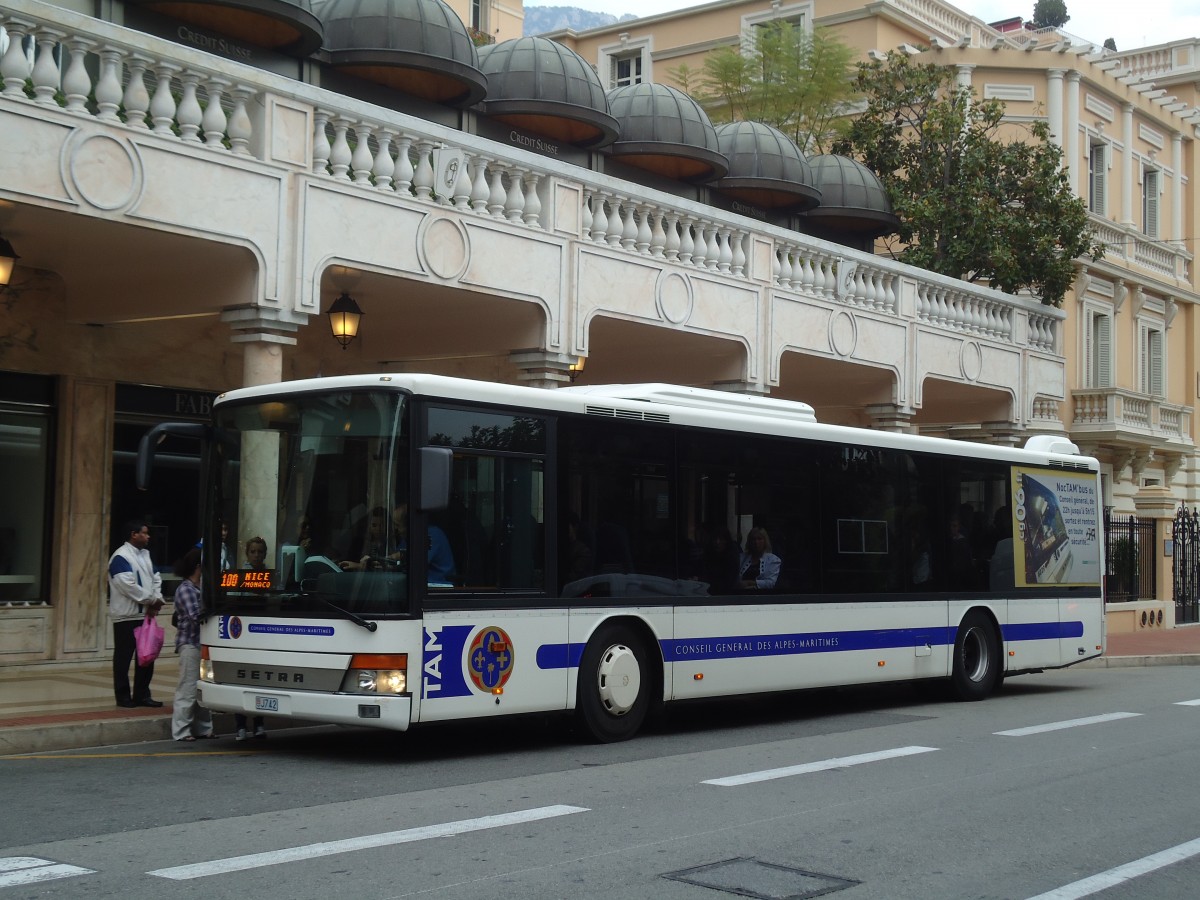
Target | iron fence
(1130,558)
(1185,565)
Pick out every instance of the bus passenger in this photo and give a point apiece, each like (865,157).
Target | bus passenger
(256,554)
(759,567)
(374,544)
(439,557)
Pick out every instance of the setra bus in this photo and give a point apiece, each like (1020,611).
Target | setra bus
(438,549)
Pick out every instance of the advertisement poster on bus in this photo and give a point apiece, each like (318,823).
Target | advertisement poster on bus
(1055,528)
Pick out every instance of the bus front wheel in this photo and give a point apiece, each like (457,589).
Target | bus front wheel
(614,678)
(977,661)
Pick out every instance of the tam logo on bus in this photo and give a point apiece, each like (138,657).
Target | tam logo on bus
(448,670)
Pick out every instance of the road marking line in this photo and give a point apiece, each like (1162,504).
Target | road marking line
(1188,703)
(1103,881)
(366,842)
(1069,723)
(16,870)
(822,766)
(27,756)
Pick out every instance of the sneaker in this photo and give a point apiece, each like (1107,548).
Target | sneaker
(260,732)
(241,734)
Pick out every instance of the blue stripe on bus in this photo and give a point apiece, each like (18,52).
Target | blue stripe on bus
(1042,631)
(564,656)
(559,656)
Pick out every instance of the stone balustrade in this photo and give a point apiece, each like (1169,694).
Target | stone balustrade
(1117,409)
(141,87)
(1162,258)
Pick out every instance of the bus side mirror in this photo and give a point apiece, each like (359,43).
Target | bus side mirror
(436,463)
(148,445)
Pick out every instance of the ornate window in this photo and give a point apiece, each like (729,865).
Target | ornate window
(1151,181)
(1098,348)
(625,63)
(1098,179)
(1152,353)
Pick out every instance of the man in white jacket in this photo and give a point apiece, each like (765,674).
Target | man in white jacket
(134,589)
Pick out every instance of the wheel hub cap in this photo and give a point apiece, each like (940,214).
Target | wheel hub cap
(620,679)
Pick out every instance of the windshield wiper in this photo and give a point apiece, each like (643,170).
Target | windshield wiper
(356,619)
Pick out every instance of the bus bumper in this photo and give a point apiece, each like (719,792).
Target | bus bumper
(393,713)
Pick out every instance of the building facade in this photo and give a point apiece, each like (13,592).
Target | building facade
(186,203)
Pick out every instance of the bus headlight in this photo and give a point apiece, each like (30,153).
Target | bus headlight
(387,681)
(206,666)
(377,673)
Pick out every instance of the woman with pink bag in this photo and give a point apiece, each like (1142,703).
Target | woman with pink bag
(190,721)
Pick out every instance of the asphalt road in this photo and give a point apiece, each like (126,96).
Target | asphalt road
(1066,784)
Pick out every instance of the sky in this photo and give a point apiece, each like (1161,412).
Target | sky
(1141,24)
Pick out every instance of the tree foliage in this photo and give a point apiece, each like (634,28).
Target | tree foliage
(797,81)
(1050,14)
(971,205)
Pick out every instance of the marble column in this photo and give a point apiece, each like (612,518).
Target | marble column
(542,368)
(1176,235)
(890,417)
(1127,165)
(1077,167)
(1054,104)
(263,333)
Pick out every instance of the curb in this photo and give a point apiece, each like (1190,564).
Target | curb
(1129,662)
(101,733)
(23,739)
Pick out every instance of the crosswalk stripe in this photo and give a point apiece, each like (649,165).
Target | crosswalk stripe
(1097,883)
(1069,723)
(16,870)
(823,765)
(366,842)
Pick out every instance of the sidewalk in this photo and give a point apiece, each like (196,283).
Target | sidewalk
(65,706)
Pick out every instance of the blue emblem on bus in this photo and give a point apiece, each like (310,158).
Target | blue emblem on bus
(491,659)
(229,627)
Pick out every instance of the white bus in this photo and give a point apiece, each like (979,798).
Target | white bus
(606,550)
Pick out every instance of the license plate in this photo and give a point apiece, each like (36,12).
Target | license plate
(266,704)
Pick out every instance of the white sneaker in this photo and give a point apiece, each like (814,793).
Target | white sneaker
(241,735)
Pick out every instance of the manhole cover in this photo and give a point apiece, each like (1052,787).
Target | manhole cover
(766,881)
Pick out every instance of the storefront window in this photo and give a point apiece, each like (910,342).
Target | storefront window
(26,452)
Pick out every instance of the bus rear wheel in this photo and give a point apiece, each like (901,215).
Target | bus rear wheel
(977,662)
(614,680)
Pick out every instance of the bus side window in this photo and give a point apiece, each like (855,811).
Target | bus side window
(494,522)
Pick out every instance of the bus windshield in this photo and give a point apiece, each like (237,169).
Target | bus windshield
(311,494)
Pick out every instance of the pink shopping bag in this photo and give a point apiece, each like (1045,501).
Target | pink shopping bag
(149,639)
